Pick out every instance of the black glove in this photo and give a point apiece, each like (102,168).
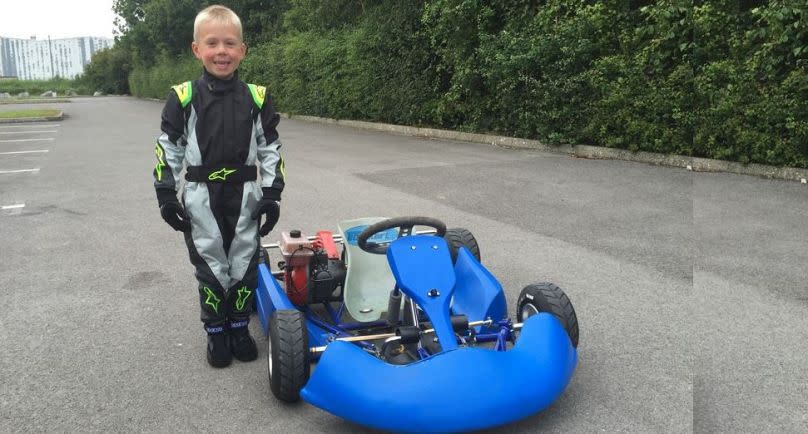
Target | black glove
(269,205)
(172,212)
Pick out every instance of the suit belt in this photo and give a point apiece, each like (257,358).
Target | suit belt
(230,174)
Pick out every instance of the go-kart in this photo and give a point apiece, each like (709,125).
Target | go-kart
(408,330)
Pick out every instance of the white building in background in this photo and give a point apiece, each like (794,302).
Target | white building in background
(42,59)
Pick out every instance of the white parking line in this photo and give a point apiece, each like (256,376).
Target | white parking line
(10,210)
(4,172)
(26,140)
(31,126)
(24,152)
(27,132)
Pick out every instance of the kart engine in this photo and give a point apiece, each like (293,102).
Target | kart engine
(313,270)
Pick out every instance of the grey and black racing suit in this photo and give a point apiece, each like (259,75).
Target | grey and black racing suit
(224,132)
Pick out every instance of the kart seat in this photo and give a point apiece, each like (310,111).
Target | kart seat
(369,280)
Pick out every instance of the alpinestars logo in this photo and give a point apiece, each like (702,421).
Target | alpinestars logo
(161,163)
(243,294)
(212,300)
(221,174)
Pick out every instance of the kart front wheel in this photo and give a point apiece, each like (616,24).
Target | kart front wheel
(547,297)
(287,354)
(460,237)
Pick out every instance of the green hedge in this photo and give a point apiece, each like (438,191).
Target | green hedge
(723,79)
(156,82)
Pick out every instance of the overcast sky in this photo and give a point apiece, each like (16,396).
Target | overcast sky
(57,18)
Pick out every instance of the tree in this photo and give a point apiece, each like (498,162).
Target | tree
(108,72)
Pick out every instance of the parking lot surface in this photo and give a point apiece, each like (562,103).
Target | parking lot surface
(690,288)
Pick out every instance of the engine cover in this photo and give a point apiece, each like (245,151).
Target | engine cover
(327,278)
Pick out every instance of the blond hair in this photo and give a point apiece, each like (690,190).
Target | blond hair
(218,14)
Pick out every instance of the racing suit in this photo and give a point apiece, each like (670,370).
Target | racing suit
(220,129)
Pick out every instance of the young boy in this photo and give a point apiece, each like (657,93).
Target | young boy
(221,127)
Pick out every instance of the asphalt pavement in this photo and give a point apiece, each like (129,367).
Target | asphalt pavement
(690,288)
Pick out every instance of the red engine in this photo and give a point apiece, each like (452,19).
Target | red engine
(313,272)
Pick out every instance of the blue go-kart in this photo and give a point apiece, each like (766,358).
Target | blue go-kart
(404,330)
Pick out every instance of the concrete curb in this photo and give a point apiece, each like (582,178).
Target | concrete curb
(580,151)
(34,101)
(58,117)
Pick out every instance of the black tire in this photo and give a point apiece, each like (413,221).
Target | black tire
(459,237)
(547,297)
(287,354)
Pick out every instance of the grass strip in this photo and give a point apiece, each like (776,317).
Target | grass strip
(32,113)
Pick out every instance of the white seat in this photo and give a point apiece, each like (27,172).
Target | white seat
(369,279)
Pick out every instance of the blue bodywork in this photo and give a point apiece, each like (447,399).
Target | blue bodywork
(422,267)
(457,389)
(477,293)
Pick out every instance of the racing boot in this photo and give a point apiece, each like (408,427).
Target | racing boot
(242,345)
(219,354)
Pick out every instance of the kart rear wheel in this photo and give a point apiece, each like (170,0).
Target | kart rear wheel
(460,237)
(287,354)
(547,297)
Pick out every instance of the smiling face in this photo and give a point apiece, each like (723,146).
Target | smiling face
(219,47)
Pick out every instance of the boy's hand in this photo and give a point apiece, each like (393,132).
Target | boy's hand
(173,213)
(171,210)
(272,209)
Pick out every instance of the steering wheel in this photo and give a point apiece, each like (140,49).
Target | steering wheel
(405,225)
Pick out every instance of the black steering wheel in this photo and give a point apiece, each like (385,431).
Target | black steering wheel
(405,225)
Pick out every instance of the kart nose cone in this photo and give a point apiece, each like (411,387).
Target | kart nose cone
(458,390)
